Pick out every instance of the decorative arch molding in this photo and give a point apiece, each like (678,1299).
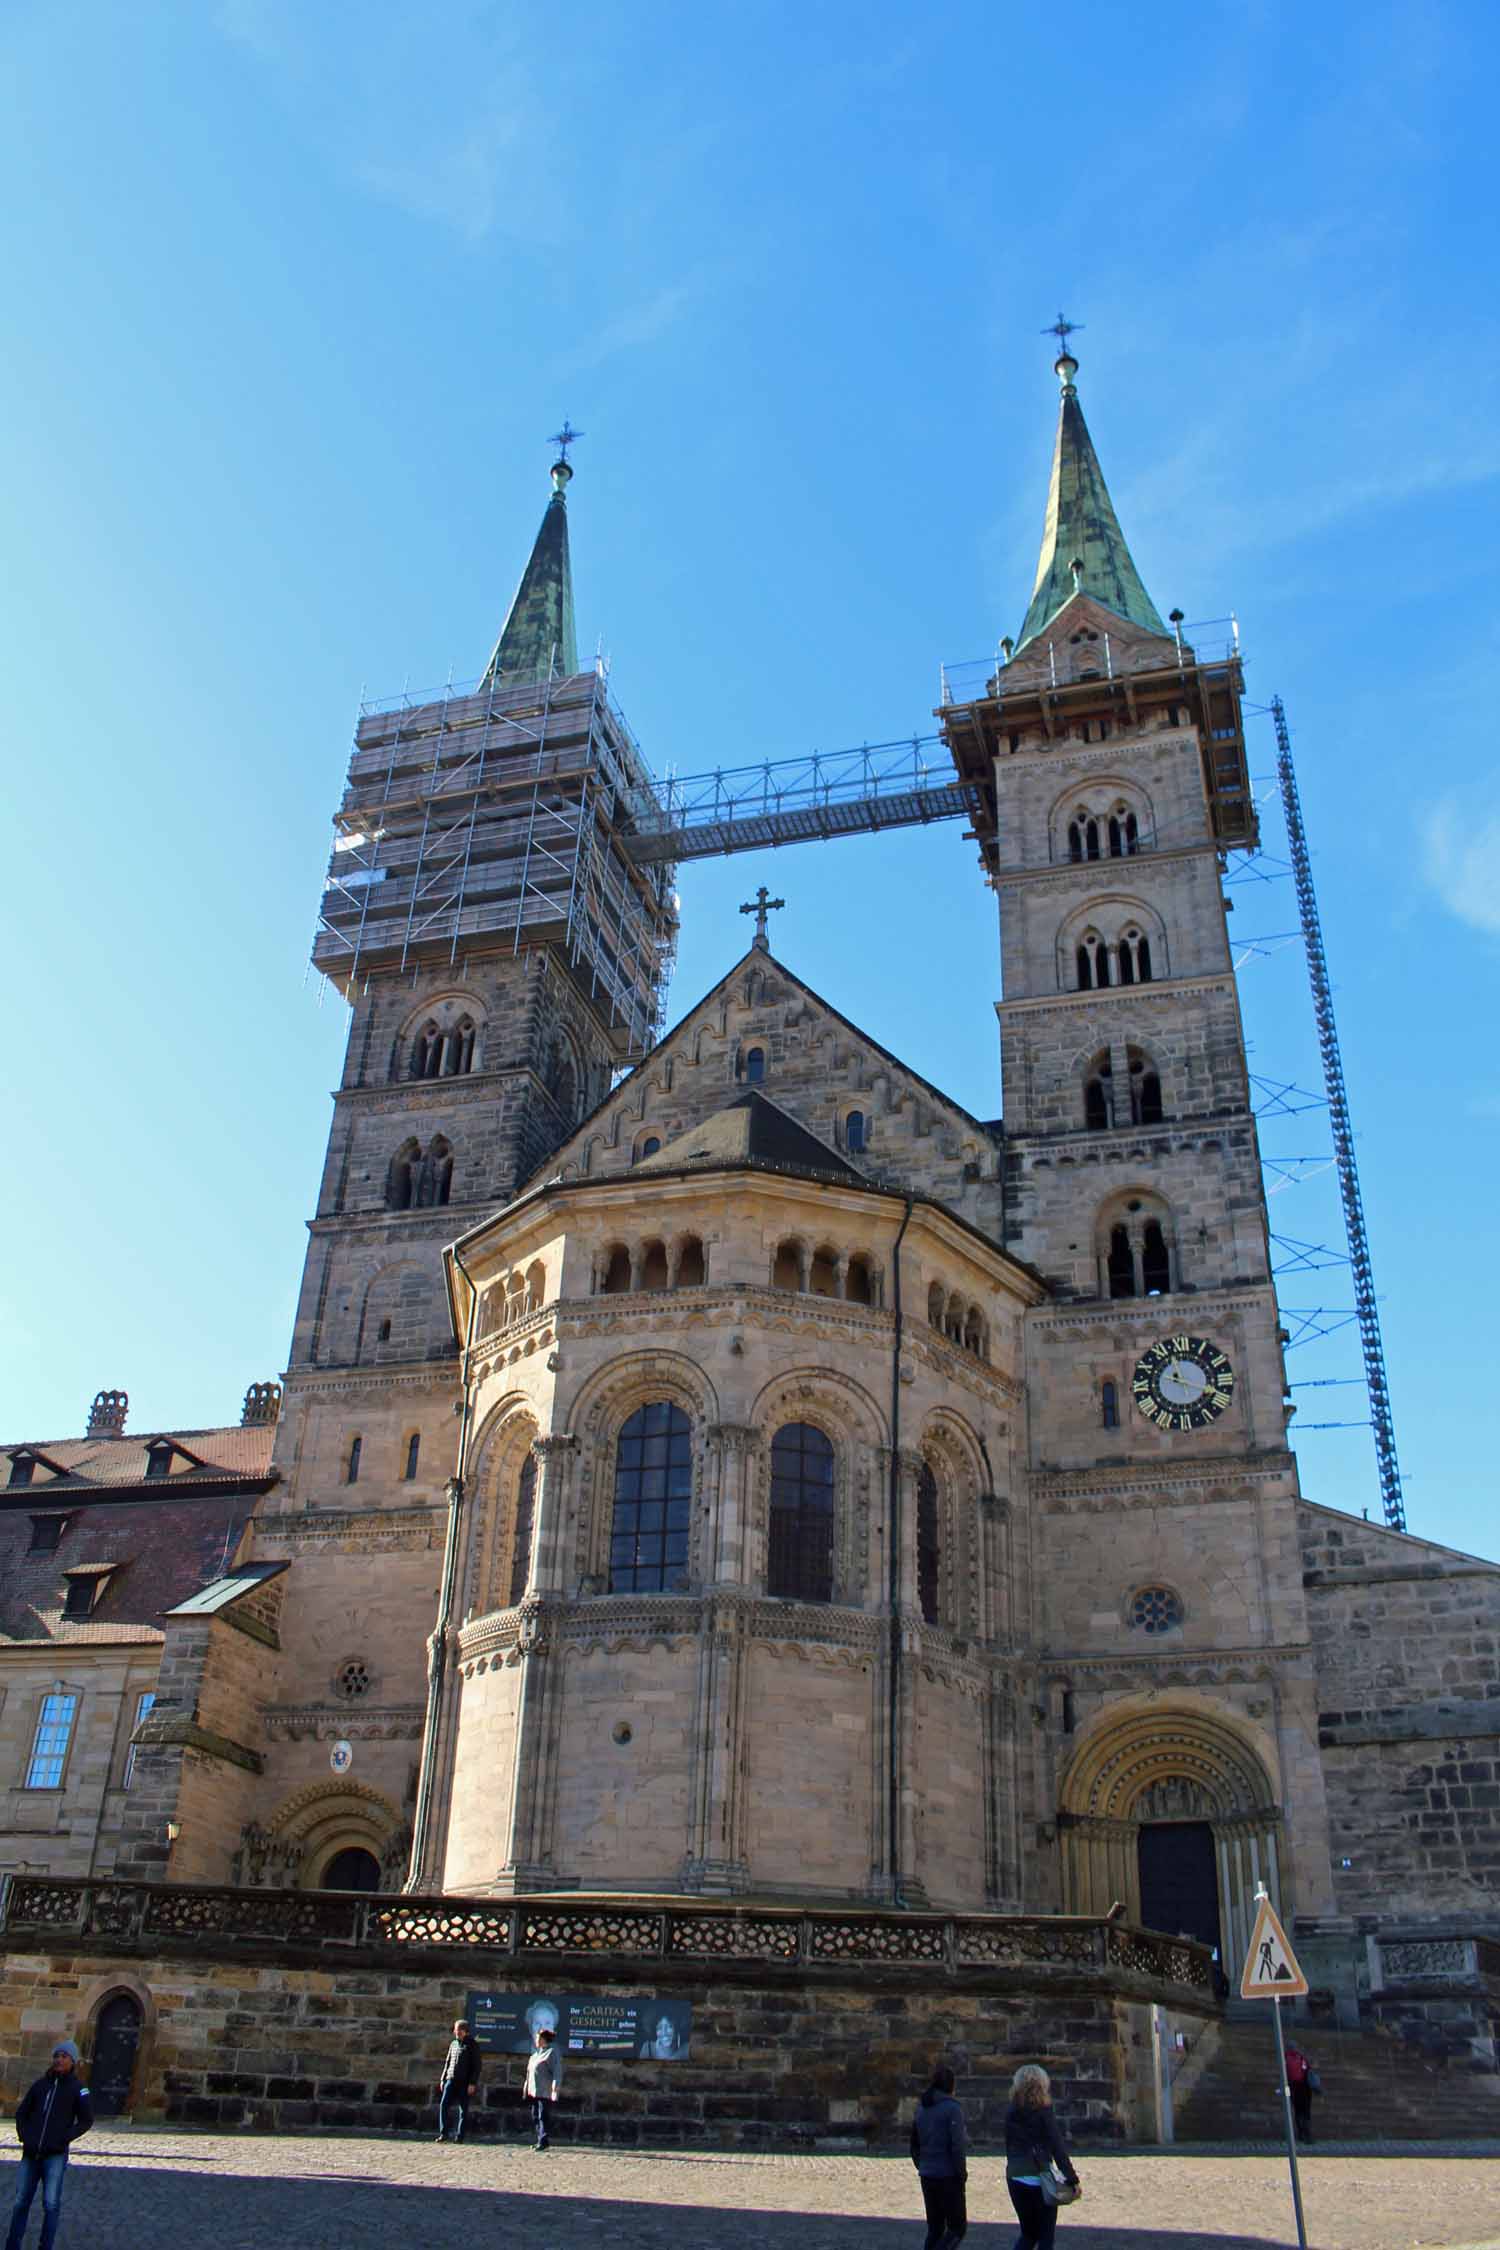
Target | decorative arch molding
(448,1011)
(92,2000)
(1100,792)
(314,1824)
(1180,1759)
(1110,914)
(856,1428)
(605,1403)
(951,1449)
(506,1436)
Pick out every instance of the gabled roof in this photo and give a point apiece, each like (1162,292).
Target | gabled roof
(1083,529)
(763,957)
(751,1130)
(538,640)
(111,1465)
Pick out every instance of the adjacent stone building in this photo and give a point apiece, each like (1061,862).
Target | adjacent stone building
(713,1462)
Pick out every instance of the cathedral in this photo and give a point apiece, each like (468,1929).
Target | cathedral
(712,1463)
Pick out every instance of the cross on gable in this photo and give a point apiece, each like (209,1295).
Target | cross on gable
(760,906)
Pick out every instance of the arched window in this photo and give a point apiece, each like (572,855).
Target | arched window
(400,1180)
(1091,839)
(520,1546)
(426,1051)
(692,1271)
(1135,957)
(1109,1402)
(755,1066)
(650,1146)
(653,1497)
(786,1273)
(565,1088)
(799,1565)
(854,1132)
(1124,835)
(617,1272)
(1155,1266)
(1148,1102)
(1143,959)
(1098,1106)
(927,1544)
(823,1278)
(1135,1247)
(1126,959)
(413,1451)
(654,1266)
(434,1175)
(536,1285)
(1075,839)
(351,1468)
(937,1303)
(1093,962)
(1121,1263)
(973,1330)
(859,1286)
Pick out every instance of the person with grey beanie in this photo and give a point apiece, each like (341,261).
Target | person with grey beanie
(52,2114)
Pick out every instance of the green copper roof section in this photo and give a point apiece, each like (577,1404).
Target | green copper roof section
(537,640)
(1083,547)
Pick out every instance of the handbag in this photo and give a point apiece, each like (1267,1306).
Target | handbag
(1314,2083)
(1055,2188)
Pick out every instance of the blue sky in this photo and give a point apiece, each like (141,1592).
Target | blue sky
(296,295)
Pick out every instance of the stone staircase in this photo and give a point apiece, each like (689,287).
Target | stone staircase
(1375,2088)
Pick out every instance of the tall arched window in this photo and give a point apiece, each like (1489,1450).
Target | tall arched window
(1109,1401)
(426,1051)
(653,1496)
(1093,962)
(434,1176)
(400,1180)
(1097,1089)
(351,1470)
(854,1132)
(800,1562)
(520,1546)
(413,1451)
(1121,1264)
(1156,1270)
(755,1065)
(928,1557)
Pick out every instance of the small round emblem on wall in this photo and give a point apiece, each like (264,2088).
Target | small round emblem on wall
(341,1756)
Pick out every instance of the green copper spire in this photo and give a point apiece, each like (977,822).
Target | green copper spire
(1083,547)
(537,640)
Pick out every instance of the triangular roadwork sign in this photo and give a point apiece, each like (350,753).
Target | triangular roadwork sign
(1271,1971)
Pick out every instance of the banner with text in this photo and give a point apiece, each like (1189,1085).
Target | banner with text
(648,2029)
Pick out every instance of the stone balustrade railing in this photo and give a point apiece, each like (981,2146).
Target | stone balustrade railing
(52,1910)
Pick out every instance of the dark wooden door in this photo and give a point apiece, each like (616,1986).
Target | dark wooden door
(1180,1880)
(117,2035)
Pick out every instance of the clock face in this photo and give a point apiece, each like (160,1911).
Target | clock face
(1182,1383)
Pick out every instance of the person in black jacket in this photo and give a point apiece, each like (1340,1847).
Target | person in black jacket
(459,2082)
(52,2114)
(940,2153)
(1033,2144)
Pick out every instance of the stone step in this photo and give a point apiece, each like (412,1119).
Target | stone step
(1373,2085)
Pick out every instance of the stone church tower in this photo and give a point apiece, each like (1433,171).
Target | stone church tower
(716,1462)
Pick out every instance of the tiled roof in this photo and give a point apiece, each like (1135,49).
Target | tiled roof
(754,1131)
(99,1463)
(179,1543)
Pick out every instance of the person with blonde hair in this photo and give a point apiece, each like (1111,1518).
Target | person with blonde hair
(1033,2147)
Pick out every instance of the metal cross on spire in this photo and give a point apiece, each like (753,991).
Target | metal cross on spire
(1062,328)
(760,906)
(565,437)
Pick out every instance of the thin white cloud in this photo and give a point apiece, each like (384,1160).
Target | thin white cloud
(637,325)
(1460,855)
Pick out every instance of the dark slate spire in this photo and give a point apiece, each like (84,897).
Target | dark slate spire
(537,640)
(1083,547)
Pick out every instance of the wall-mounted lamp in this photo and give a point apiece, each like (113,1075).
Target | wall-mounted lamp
(174,1830)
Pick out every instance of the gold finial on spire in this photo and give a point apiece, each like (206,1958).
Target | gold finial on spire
(562,471)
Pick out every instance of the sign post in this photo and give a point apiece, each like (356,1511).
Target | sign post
(1271,1973)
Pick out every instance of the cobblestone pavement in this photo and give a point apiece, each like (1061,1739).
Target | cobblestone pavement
(141,2189)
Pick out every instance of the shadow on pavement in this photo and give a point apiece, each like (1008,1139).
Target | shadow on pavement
(140,2206)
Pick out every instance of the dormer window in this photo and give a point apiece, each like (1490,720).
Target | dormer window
(22,1468)
(46,1534)
(86,1582)
(159,1458)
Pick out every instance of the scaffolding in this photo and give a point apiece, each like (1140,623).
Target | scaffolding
(1366,1308)
(494,815)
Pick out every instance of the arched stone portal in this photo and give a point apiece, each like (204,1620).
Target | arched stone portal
(1140,1775)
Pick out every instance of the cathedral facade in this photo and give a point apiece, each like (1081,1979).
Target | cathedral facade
(740,1471)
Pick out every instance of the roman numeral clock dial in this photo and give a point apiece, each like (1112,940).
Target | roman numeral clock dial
(1182,1383)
